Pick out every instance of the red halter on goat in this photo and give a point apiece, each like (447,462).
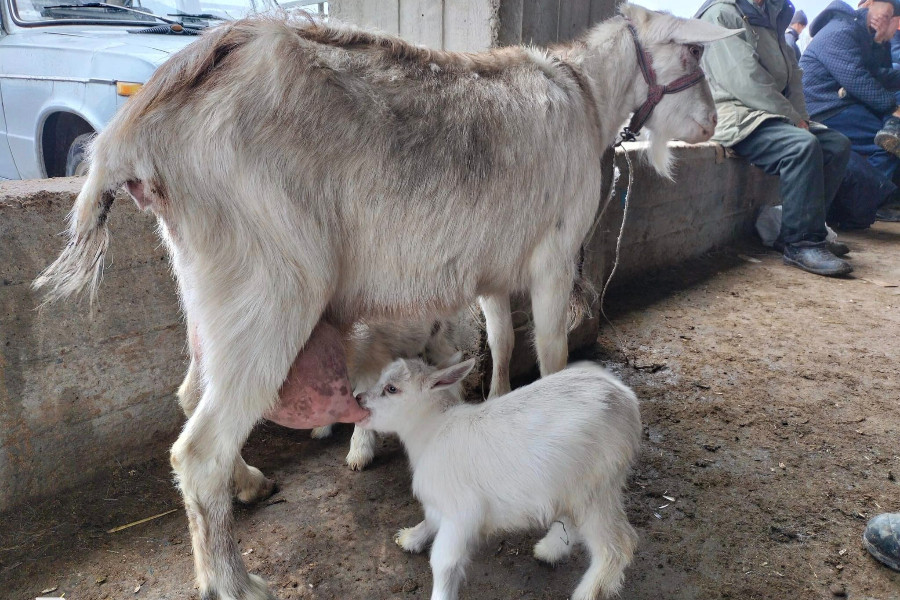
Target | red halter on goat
(656,92)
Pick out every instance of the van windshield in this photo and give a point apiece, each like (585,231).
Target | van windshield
(197,13)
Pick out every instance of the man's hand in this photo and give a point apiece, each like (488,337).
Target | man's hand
(880,21)
(803,125)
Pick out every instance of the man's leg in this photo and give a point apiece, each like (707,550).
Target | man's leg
(796,157)
(836,154)
(861,125)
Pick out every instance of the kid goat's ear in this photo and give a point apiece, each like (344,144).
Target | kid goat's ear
(445,378)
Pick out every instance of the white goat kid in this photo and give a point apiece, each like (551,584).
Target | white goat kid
(555,452)
(373,346)
(306,177)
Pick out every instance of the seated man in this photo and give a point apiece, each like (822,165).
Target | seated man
(755,81)
(794,30)
(850,86)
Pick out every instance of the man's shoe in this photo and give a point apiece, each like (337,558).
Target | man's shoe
(889,136)
(836,248)
(889,214)
(816,259)
(882,539)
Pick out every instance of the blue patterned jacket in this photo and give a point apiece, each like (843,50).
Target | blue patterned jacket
(843,65)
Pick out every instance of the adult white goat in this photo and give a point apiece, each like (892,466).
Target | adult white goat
(307,176)
(556,452)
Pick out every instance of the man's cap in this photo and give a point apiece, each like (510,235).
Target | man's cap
(799,17)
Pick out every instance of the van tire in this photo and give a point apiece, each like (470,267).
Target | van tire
(76,163)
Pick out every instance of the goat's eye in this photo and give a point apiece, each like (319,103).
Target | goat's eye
(389,389)
(696,51)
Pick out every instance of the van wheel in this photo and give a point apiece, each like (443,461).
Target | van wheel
(76,165)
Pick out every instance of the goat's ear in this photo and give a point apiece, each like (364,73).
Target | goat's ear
(695,31)
(445,378)
(455,359)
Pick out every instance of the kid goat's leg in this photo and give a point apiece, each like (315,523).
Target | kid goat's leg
(611,541)
(558,543)
(501,339)
(250,485)
(416,539)
(449,557)
(362,448)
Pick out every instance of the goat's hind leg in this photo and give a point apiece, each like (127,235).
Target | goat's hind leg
(245,368)
(250,485)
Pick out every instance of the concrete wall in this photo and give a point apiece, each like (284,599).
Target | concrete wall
(79,392)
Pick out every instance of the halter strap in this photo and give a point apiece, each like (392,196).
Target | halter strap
(656,92)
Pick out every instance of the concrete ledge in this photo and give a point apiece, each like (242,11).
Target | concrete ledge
(79,392)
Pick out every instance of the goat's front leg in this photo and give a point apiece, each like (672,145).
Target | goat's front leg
(362,448)
(415,539)
(501,339)
(551,287)
(449,557)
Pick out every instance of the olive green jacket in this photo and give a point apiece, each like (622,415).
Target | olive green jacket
(754,76)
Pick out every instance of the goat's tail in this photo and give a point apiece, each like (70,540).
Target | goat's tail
(80,265)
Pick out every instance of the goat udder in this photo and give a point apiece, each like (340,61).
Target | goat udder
(317,390)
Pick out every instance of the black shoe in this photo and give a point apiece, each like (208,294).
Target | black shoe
(889,214)
(889,136)
(836,248)
(882,539)
(816,259)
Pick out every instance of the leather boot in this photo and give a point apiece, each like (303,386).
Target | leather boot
(815,258)
(882,539)
(889,136)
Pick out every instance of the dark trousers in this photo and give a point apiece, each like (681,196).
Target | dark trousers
(860,125)
(810,167)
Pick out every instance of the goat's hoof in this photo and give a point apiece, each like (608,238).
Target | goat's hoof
(259,590)
(255,487)
(358,459)
(320,433)
(407,539)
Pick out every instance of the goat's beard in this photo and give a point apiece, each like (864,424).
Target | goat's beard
(659,156)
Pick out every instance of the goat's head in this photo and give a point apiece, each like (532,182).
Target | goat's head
(675,47)
(409,390)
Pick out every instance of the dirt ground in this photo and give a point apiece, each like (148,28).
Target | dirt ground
(772,417)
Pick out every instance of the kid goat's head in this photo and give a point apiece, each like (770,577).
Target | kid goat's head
(410,389)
